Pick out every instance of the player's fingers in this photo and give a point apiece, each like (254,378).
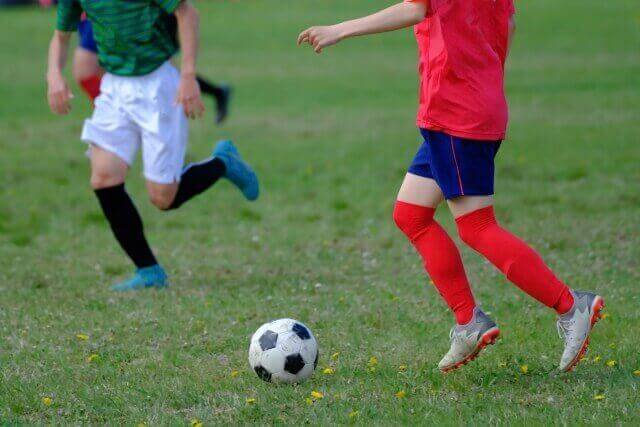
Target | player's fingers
(303,36)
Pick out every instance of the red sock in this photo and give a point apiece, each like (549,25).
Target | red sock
(91,86)
(517,260)
(440,255)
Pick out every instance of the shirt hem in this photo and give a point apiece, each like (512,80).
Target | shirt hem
(480,136)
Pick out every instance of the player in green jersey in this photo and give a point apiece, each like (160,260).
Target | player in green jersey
(144,102)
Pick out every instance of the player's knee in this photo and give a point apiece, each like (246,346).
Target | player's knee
(472,226)
(102,179)
(412,219)
(161,199)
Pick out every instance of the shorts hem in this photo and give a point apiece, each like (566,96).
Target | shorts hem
(105,147)
(467,193)
(161,179)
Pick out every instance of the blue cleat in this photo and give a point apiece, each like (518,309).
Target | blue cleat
(237,170)
(148,277)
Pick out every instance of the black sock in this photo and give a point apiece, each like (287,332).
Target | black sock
(210,88)
(196,178)
(126,224)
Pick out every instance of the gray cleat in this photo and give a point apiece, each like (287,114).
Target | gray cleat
(468,340)
(575,326)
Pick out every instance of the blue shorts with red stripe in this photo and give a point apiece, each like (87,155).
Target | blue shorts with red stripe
(461,167)
(85,32)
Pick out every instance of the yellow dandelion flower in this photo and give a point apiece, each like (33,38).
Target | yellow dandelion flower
(636,372)
(328,371)
(611,363)
(196,423)
(353,414)
(82,337)
(234,373)
(402,368)
(47,401)
(335,355)
(604,316)
(316,395)
(524,369)
(308,400)
(92,358)
(597,359)
(373,361)
(251,401)
(598,397)
(401,394)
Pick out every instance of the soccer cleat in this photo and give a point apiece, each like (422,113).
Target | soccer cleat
(237,170)
(468,340)
(575,326)
(148,277)
(222,103)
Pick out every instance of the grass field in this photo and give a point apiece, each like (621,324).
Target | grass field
(331,137)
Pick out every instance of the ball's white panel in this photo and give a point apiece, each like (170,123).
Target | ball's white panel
(289,343)
(306,372)
(308,350)
(273,360)
(255,353)
(282,325)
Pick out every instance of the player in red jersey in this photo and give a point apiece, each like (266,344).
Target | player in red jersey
(463,45)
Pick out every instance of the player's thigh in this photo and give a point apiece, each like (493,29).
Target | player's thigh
(107,169)
(463,205)
(85,64)
(420,191)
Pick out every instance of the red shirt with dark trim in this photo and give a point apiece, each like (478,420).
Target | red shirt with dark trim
(462,47)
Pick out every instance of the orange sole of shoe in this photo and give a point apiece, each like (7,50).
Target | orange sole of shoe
(488,338)
(597,307)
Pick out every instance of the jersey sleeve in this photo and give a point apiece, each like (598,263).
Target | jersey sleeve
(511,8)
(168,6)
(432,4)
(68,15)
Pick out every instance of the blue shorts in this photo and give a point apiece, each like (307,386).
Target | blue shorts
(85,31)
(461,167)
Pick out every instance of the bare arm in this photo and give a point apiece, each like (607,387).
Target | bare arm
(393,18)
(58,93)
(189,34)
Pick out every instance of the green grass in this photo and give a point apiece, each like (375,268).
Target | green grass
(331,136)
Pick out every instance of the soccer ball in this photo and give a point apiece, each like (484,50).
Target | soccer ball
(284,351)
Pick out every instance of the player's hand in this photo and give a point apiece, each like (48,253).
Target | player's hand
(320,37)
(189,97)
(59,95)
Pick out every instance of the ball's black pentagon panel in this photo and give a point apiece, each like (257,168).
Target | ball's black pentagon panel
(263,373)
(301,331)
(315,362)
(294,363)
(268,340)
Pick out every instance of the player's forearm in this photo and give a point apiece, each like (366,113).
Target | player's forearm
(58,51)
(398,16)
(189,33)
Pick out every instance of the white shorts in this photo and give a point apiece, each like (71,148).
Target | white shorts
(141,110)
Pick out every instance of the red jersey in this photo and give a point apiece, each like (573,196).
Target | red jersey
(462,46)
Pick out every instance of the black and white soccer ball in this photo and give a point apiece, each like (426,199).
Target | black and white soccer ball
(284,351)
